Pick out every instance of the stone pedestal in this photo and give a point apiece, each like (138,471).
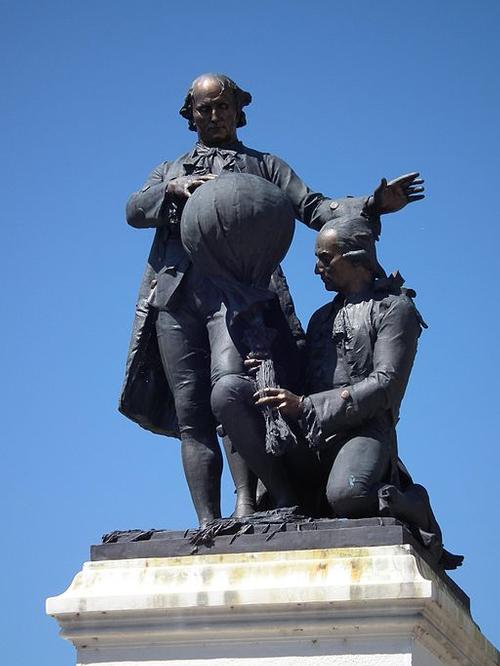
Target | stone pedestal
(360,606)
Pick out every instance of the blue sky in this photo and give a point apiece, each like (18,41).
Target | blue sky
(346,93)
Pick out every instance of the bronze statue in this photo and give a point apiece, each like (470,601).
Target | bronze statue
(181,349)
(360,351)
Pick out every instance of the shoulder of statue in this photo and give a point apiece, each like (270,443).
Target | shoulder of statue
(401,303)
(271,157)
(252,152)
(185,157)
(169,165)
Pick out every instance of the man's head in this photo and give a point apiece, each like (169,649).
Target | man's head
(214,108)
(346,259)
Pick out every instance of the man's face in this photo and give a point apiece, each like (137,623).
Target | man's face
(331,266)
(215,113)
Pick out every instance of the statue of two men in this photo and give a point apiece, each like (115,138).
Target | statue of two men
(186,375)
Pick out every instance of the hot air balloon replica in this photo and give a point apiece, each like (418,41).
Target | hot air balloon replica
(236,229)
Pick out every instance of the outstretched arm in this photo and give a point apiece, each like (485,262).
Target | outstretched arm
(310,207)
(314,209)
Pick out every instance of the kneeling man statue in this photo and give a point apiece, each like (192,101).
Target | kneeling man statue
(360,351)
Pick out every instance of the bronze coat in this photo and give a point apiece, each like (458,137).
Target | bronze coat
(145,396)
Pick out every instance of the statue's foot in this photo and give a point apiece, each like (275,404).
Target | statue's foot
(409,507)
(206,520)
(450,560)
(244,507)
(387,496)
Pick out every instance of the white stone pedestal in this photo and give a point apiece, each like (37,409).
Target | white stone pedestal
(375,606)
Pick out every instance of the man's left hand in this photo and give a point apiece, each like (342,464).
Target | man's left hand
(287,402)
(391,196)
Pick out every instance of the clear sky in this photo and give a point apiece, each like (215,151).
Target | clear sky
(346,92)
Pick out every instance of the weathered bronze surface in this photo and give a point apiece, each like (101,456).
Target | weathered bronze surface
(217,347)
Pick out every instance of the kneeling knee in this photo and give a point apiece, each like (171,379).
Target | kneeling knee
(350,501)
(230,391)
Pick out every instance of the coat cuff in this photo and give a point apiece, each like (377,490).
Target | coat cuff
(310,425)
(164,206)
(335,410)
(144,207)
(349,207)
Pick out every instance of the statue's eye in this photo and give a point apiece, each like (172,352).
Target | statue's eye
(325,258)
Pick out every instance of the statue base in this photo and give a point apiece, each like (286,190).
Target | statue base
(341,606)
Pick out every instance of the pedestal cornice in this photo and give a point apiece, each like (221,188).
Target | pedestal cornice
(335,594)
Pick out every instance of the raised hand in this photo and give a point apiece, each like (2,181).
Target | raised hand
(391,196)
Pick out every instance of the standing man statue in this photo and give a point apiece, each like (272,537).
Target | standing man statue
(180,344)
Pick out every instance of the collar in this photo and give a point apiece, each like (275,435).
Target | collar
(199,150)
(228,153)
(343,299)
(230,148)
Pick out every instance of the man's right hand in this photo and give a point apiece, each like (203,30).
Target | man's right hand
(184,186)
(391,196)
(289,404)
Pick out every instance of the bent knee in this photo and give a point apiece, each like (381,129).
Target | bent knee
(230,391)
(351,500)
(337,494)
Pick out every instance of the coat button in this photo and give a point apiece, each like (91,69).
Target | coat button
(345,395)
(334,205)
